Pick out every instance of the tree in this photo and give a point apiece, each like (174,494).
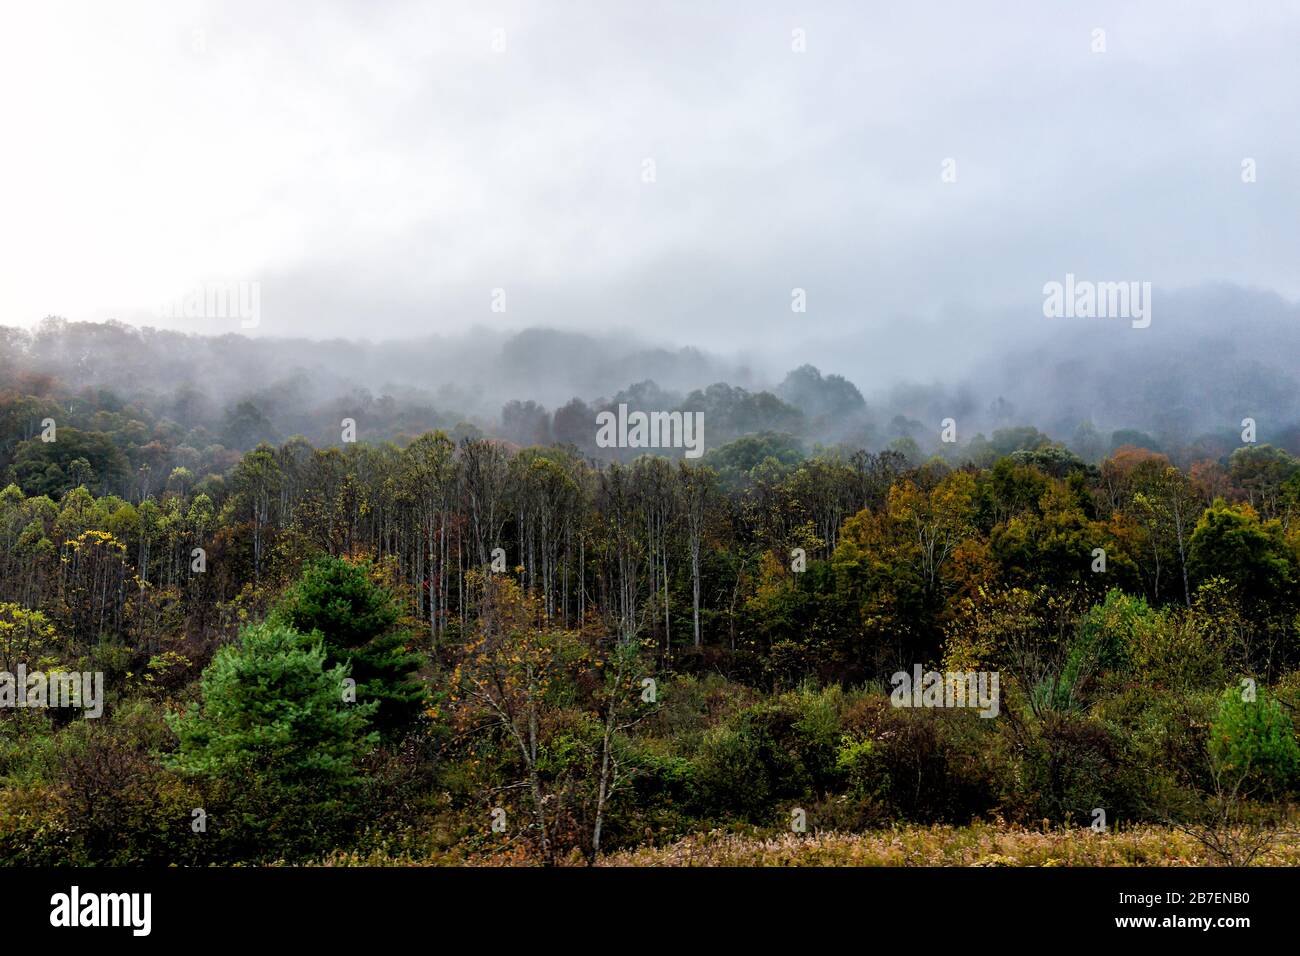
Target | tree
(1230,542)
(1252,737)
(356,618)
(245,426)
(832,397)
(505,681)
(698,491)
(575,424)
(1251,752)
(620,708)
(76,457)
(525,423)
(1262,471)
(1168,504)
(257,481)
(484,475)
(274,735)
(428,483)
(934,521)
(26,637)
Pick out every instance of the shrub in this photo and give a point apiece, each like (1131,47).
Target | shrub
(925,765)
(749,764)
(1070,767)
(1254,741)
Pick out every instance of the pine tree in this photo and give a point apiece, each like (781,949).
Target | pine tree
(276,740)
(356,620)
(271,704)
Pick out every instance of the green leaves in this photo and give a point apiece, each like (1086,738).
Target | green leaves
(270,705)
(1230,542)
(1252,740)
(355,618)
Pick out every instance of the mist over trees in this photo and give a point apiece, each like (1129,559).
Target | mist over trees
(133,405)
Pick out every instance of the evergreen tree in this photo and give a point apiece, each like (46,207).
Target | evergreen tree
(356,620)
(276,739)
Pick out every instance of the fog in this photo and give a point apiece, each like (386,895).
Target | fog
(671,171)
(459,207)
(1210,358)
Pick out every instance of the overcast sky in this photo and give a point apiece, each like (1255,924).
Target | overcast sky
(381,168)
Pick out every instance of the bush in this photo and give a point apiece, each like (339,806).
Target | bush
(34,829)
(1070,767)
(749,764)
(658,802)
(778,750)
(1254,741)
(926,765)
(1160,740)
(1105,639)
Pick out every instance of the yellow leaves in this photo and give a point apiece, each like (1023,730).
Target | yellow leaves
(92,538)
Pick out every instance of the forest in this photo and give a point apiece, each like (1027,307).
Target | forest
(471,641)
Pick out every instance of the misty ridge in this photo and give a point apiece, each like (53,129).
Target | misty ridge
(1213,356)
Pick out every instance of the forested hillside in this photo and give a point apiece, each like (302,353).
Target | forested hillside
(137,403)
(452,642)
